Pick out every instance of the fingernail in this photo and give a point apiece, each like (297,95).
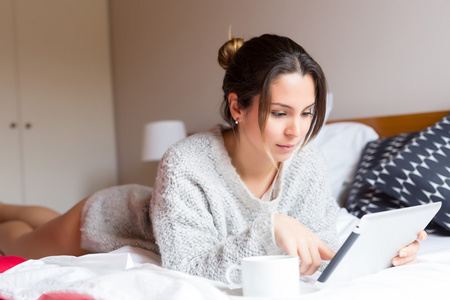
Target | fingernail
(403,254)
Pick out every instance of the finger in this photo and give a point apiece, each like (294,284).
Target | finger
(407,255)
(326,253)
(289,247)
(398,261)
(305,260)
(290,250)
(410,250)
(422,235)
(316,261)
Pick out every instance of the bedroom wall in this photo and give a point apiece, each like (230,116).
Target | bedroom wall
(381,57)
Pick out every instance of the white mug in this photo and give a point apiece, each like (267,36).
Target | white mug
(267,276)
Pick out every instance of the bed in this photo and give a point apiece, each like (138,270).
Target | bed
(362,156)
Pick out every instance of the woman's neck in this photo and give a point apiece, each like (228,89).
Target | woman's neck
(256,171)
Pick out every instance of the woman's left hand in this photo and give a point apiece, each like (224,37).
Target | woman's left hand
(408,255)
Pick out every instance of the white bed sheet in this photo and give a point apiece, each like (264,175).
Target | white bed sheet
(132,273)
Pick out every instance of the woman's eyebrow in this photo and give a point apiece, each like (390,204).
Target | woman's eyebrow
(287,106)
(282,105)
(311,105)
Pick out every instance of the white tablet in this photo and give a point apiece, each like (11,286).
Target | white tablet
(376,240)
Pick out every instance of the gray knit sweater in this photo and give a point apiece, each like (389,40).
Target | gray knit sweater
(205,219)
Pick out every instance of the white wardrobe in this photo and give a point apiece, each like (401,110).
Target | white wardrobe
(57,140)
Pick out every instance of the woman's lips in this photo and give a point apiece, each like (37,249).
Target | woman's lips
(286,147)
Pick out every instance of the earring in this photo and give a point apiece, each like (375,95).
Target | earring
(236,121)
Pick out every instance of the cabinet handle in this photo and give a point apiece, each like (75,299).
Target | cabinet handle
(28,125)
(13,125)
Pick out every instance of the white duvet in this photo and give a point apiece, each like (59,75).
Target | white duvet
(132,273)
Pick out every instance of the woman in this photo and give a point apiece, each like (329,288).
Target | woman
(253,187)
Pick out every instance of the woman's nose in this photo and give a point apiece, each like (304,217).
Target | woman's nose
(294,128)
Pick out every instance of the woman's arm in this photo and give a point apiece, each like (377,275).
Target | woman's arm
(191,238)
(189,242)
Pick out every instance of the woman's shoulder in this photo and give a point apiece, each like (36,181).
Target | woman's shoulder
(198,146)
(309,153)
(198,158)
(309,160)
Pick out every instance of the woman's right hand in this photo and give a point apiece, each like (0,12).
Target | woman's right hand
(296,239)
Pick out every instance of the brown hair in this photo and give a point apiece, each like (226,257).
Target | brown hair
(251,67)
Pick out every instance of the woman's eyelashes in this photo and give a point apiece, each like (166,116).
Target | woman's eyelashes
(278,114)
(306,113)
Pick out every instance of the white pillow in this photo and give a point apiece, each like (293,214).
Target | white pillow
(341,144)
(329,104)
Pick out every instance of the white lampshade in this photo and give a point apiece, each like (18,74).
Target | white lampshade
(159,136)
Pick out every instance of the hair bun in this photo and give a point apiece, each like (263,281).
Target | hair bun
(227,51)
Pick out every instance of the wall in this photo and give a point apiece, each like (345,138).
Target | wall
(381,57)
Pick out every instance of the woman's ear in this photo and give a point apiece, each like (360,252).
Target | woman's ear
(235,111)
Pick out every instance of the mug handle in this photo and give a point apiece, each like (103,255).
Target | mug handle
(232,283)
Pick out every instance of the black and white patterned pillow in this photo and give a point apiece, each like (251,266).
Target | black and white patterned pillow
(364,198)
(419,173)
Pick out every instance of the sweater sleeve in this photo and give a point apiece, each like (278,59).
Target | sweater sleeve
(309,198)
(327,228)
(185,229)
(318,208)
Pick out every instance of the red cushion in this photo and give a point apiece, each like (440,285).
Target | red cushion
(65,296)
(7,262)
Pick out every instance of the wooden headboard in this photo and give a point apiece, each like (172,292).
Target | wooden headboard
(393,125)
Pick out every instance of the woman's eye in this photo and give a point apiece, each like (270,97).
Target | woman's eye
(278,114)
(308,113)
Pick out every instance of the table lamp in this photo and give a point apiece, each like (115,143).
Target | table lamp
(159,136)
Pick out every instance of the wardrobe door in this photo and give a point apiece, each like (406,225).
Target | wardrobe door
(66,100)
(10,161)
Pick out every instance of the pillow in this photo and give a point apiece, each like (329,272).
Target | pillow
(364,198)
(341,144)
(419,173)
(329,106)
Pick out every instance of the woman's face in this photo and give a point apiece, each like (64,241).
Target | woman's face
(292,105)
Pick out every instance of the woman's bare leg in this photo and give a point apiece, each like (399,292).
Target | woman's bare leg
(34,216)
(60,235)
